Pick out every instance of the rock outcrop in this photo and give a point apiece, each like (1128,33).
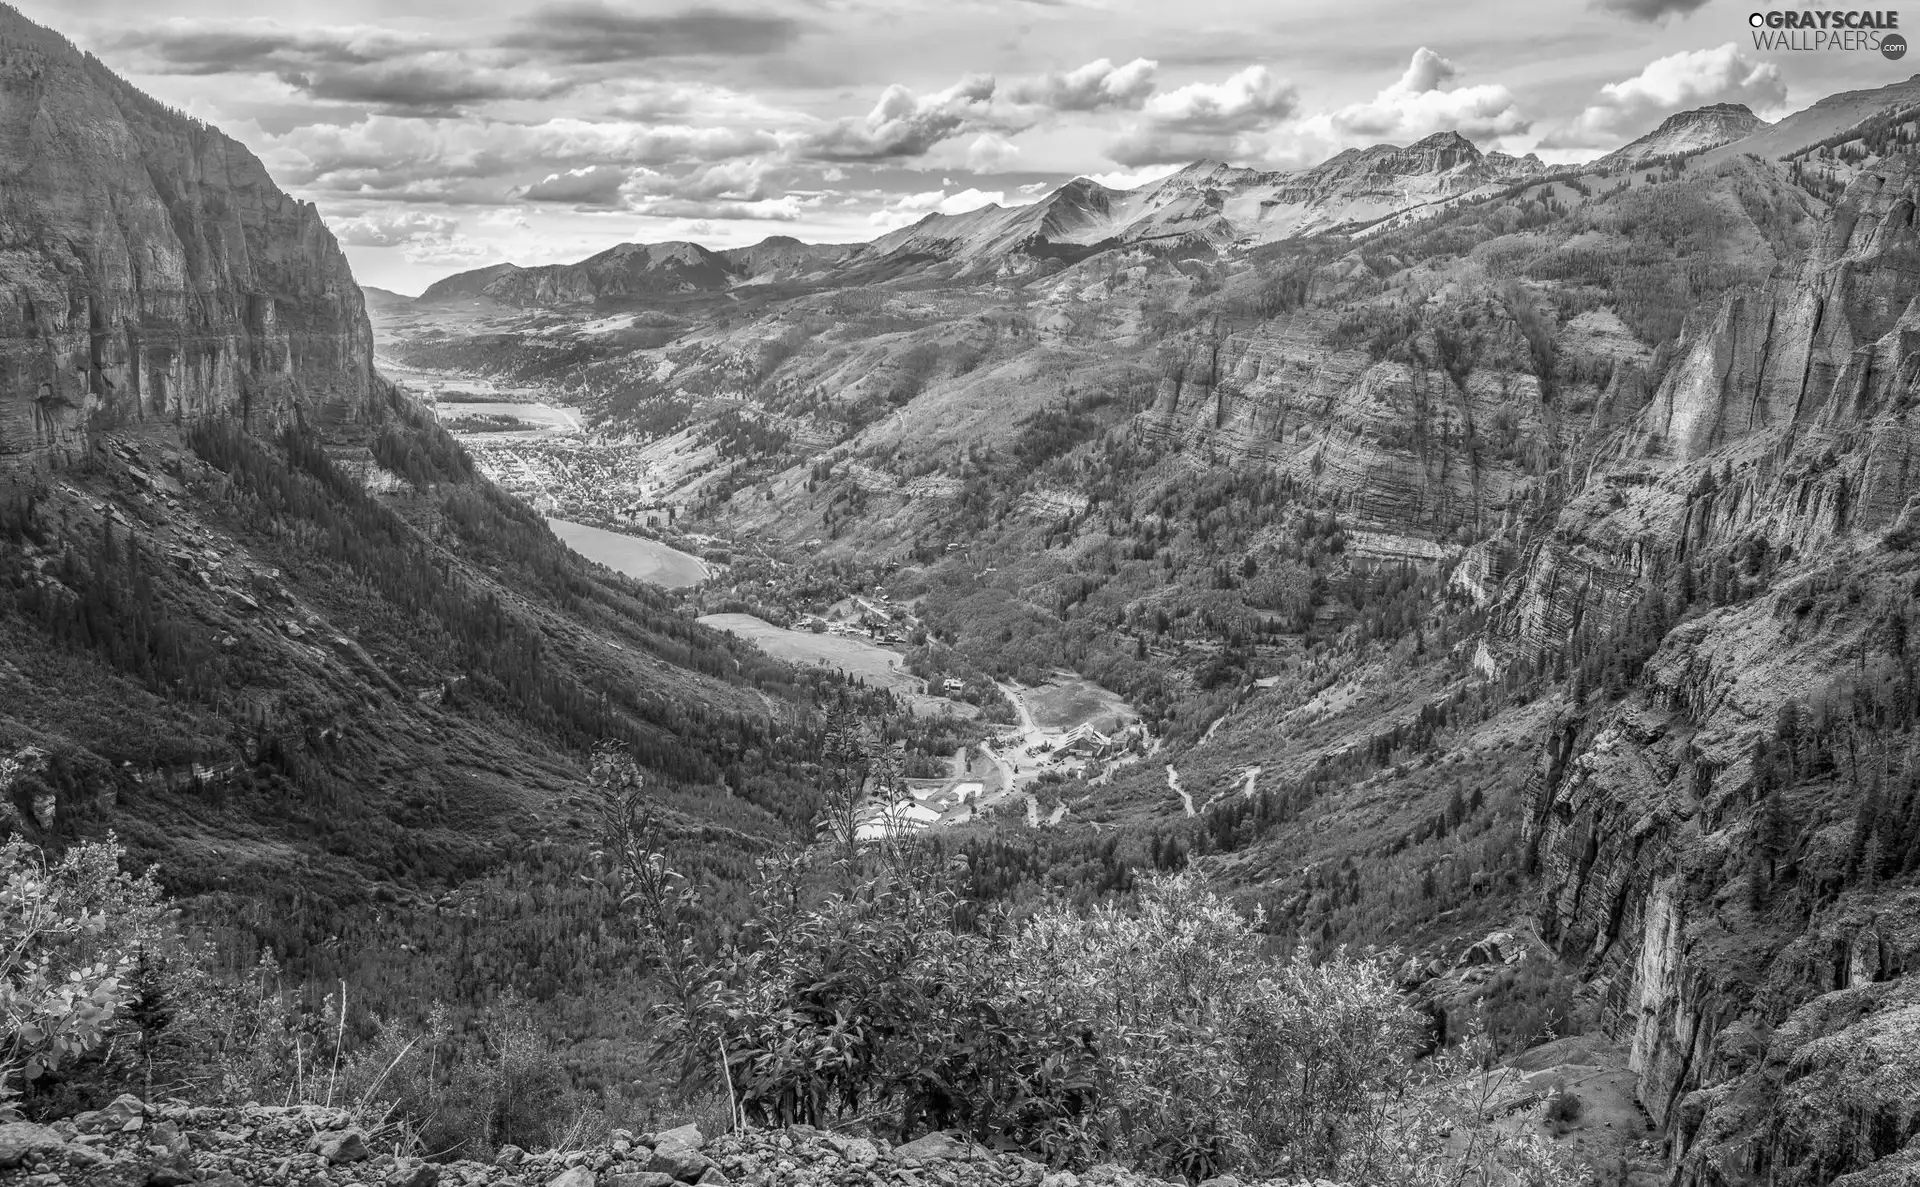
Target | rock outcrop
(1723,914)
(151,270)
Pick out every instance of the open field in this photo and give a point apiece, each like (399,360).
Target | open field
(1068,700)
(636,556)
(880,667)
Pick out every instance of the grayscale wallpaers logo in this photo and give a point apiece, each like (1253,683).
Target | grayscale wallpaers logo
(1825,30)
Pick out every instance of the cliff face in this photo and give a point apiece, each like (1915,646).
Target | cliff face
(150,268)
(1715,851)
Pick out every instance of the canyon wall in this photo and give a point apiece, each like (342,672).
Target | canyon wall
(1717,890)
(149,267)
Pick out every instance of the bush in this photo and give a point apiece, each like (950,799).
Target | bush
(1161,1037)
(71,933)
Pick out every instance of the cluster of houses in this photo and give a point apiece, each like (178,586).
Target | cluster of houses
(880,621)
(921,805)
(1083,741)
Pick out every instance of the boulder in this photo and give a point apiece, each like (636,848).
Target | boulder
(686,1135)
(638,1179)
(575,1176)
(339,1145)
(684,1163)
(858,1151)
(21,1140)
(933,1147)
(414,1174)
(677,1152)
(126,1112)
(509,1156)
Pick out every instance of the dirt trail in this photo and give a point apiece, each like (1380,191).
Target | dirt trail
(1173,782)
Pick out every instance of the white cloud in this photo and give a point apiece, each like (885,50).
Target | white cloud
(1419,104)
(476,159)
(1096,85)
(393,228)
(1246,100)
(1678,82)
(450,250)
(1224,119)
(783,209)
(991,152)
(903,124)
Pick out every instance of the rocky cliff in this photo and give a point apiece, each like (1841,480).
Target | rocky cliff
(1720,853)
(150,268)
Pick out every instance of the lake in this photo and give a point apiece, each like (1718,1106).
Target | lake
(636,556)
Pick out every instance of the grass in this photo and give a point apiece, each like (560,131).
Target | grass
(1068,701)
(878,666)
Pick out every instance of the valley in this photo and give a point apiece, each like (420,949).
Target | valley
(1463,606)
(1358,528)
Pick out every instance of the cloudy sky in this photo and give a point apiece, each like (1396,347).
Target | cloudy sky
(440,135)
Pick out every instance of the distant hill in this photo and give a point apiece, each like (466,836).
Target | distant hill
(1686,133)
(383,300)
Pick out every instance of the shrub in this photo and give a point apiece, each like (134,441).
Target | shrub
(71,933)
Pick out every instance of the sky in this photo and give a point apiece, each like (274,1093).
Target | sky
(441,135)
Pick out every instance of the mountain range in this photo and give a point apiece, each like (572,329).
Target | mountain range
(1207,207)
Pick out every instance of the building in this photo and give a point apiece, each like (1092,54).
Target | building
(1086,741)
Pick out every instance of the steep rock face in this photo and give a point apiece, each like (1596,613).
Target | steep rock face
(1397,444)
(150,268)
(1709,905)
(1780,419)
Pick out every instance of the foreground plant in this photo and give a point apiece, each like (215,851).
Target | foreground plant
(1158,1036)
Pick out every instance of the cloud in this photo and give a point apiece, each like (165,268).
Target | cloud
(1207,120)
(450,250)
(1677,82)
(1418,104)
(594,185)
(481,161)
(393,228)
(991,152)
(738,189)
(1247,100)
(1648,10)
(903,124)
(603,33)
(1098,84)
(783,209)
(351,64)
(745,180)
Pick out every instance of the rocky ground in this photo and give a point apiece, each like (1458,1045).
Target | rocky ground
(135,1144)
